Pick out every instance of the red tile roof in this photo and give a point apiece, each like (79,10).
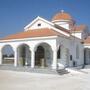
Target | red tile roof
(79,28)
(62,16)
(87,41)
(33,33)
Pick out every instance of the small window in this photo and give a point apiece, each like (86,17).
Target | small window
(39,24)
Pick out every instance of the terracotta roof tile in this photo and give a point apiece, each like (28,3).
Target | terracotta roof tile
(62,16)
(79,28)
(87,41)
(33,33)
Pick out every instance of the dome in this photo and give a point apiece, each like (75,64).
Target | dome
(62,16)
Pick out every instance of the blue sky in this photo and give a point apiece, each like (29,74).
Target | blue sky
(15,14)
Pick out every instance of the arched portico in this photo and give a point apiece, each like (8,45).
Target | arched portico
(43,55)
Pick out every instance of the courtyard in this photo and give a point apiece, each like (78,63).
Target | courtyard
(14,80)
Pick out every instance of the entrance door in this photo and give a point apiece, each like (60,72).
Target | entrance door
(39,56)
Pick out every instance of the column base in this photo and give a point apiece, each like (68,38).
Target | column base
(54,67)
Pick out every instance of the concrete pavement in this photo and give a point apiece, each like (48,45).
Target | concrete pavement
(13,80)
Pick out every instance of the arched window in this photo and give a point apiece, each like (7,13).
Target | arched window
(77,52)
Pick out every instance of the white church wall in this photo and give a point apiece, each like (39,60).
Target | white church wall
(74,43)
(71,44)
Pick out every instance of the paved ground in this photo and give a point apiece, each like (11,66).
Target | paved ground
(12,80)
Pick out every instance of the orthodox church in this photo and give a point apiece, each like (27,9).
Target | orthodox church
(48,44)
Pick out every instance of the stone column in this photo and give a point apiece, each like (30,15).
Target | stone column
(15,57)
(32,58)
(54,63)
(0,56)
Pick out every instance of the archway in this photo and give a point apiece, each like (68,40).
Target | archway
(43,55)
(24,55)
(7,55)
(39,56)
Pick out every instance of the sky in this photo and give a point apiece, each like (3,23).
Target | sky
(16,14)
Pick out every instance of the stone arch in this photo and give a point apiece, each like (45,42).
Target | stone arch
(43,55)
(43,43)
(24,54)
(7,54)
(20,44)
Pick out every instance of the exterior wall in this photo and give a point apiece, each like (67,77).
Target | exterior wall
(70,46)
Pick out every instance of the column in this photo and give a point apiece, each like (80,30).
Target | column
(0,56)
(54,63)
(32,58)
(15,57)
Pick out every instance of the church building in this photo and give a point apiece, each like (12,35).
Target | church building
(48,44)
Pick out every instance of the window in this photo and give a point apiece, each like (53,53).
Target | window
(77,52)
(70,57)
(39,24)
(58,53)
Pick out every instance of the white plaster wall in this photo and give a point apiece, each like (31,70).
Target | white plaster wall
(71,44)
(74,43)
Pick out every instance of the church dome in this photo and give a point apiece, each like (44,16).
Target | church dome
(62,16)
